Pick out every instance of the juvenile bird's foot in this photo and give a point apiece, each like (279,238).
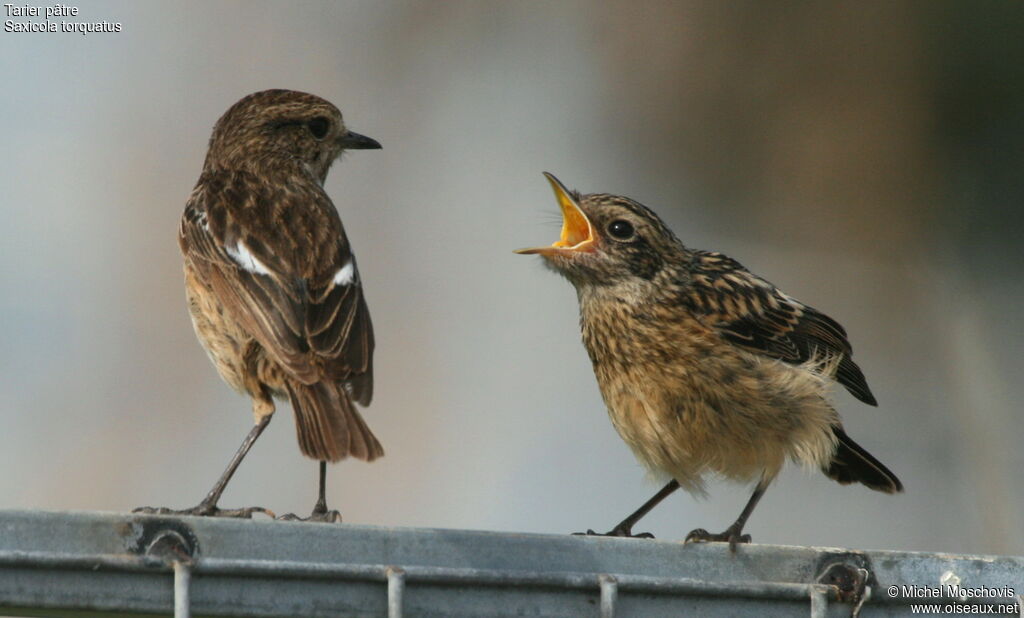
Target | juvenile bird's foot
(621,531)
(731,535)
(206,510)
(320,515)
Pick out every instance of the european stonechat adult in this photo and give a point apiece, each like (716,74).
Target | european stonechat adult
(272,284)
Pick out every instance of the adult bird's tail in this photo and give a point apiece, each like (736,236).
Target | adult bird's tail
(852,464)
(328,424)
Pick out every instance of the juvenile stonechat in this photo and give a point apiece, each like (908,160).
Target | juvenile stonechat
(705,367)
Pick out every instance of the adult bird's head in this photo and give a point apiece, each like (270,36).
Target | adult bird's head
(275,126)
(608,240)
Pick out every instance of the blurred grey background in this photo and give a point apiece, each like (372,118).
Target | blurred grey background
(865,157)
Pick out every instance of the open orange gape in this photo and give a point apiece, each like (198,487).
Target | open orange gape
(577,233)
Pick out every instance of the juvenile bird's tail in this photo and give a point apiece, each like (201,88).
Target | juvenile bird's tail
(852,464)
(328,424)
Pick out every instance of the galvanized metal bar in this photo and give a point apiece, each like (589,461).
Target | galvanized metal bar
(61,563)
(396,591)
(432,575)
(819,601)
(182,580)
(609,594)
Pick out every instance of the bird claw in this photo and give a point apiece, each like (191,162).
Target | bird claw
(320,516)
(206,510)
(620,531)
(731,536)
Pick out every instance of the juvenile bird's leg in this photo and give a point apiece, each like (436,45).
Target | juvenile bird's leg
(208,507)
(625,527)
(320,512)
(732,534)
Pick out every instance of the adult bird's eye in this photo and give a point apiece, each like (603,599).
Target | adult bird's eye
(319,126)
(621,229)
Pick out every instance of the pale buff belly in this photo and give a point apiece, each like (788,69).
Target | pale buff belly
(239,359)
(738,416)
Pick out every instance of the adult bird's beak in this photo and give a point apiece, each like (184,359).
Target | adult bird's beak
(577,233)
(355,141)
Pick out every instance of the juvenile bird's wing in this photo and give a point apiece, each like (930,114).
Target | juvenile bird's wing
(280,263)
(754,314)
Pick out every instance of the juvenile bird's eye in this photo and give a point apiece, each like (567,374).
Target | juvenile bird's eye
(621,229)
(319,126)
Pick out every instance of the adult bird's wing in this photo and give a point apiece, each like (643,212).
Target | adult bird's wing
(280,263)
(752,313)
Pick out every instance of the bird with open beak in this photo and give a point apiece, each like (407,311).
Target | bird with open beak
(706,369)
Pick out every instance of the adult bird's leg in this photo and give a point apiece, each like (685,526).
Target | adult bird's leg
(320,512)
(625,527)
(733,534)
(208,507)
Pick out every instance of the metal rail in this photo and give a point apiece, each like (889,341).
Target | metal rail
(92,563)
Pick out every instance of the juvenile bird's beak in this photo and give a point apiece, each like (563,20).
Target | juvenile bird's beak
(577,233)
(355,141)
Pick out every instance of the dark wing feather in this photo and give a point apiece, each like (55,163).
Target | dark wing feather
(272,256)
(754,314)
(339,328)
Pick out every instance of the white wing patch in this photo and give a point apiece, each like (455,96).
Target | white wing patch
(241,254)
(346,274)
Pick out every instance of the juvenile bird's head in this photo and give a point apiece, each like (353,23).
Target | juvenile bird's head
(275,127)
(608,240)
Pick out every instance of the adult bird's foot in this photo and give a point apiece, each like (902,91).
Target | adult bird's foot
(731,536)
(318,515)
(621,531)
(206,510)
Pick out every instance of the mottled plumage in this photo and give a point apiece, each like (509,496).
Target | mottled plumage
(273,287)
(706,368)
(752,313)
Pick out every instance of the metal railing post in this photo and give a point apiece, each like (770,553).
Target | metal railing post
(396,591)
(182,580)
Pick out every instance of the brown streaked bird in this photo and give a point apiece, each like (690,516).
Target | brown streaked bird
(272,284)
(706,369)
